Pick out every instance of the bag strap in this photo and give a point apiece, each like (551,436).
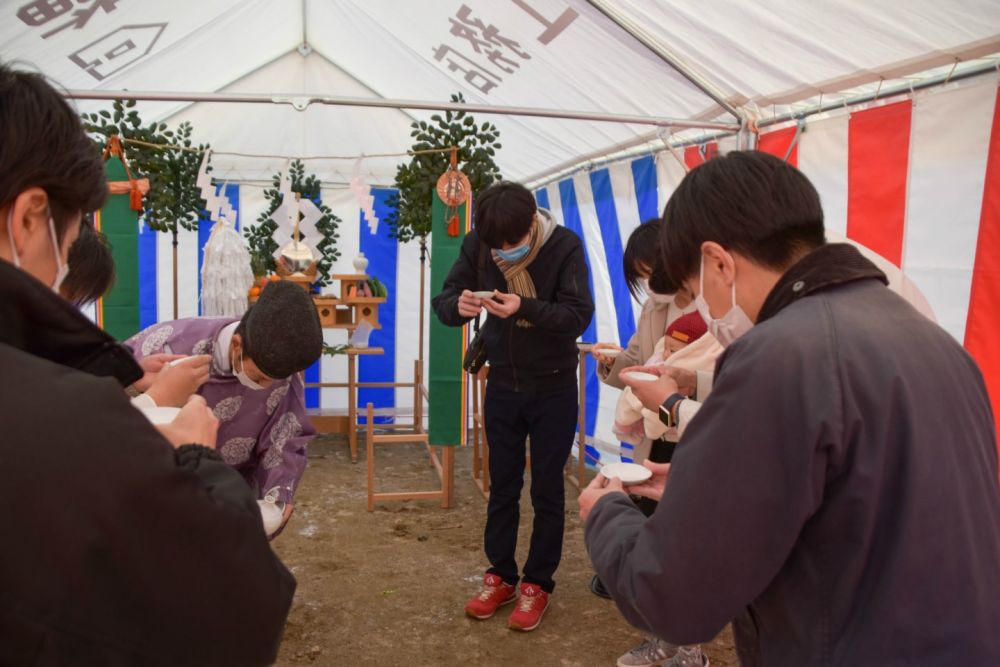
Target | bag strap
(483,252)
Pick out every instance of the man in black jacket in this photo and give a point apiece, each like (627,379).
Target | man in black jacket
(540,305)
(837,492)
(125,545)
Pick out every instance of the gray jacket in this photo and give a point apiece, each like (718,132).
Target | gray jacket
(838,489)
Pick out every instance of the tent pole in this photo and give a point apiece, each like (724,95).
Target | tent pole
(639,34)
(302,102)
(644,145)
(423,261)
(747,138)
(600,159)
(175,272)
(885,92)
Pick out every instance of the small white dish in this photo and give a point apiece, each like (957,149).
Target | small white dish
(484,294)
(610,353)
(628,473)
(271,513)
(182,360)
(160,415)
(641,376)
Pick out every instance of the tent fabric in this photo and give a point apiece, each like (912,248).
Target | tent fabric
(945,185)
(787,50)
(984,307)
(878,150)
(561,54)
(766,58)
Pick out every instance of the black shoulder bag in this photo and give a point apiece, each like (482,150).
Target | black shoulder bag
(475,353)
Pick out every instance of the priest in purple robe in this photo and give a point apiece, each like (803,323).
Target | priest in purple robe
(255,385)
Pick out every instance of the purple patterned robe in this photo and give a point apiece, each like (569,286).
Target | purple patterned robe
(262,433)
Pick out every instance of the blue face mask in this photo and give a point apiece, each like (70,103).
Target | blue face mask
(514,254)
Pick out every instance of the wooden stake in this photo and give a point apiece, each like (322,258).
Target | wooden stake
(420,339)
(175,273)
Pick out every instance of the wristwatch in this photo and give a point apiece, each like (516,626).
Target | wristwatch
(667,409)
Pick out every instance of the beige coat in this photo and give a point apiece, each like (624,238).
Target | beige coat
(653,321)
(637,425)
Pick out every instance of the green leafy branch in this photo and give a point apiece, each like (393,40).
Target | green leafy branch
(174,198)
(334,350)
(416,180)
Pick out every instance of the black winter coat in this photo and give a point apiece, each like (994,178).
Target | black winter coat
(118,549)
(541,356)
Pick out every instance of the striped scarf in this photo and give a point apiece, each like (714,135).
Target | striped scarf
(516,273)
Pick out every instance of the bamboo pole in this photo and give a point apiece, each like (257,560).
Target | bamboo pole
(175,273)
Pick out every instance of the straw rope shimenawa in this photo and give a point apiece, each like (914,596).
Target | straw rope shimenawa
(190,149)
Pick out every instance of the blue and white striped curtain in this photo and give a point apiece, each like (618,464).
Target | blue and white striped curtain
(395,265)
(602,207)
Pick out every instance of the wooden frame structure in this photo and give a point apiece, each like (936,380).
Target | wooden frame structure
(444,466)
(347,312)
(576,474)
(480,443)
(332,423)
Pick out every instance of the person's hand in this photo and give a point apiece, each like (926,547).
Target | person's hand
(503,305)
(653,487)
(597,489)
(469,305)
(687,381)
(285,516)
(152,365)
(649,392)
(174,384)
(601,358)
(194,425)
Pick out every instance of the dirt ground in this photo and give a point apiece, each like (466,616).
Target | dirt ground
(388,587)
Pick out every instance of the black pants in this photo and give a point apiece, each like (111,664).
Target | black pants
(549,418)
(660,452)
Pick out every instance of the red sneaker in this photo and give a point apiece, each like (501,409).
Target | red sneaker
(494,594)
(528,613)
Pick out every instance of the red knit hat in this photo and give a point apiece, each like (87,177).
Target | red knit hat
(687,328)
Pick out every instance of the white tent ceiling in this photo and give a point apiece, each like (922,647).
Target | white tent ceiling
(754,54)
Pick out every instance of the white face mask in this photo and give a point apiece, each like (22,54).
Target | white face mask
(242,376)
(730,326)
(62,270)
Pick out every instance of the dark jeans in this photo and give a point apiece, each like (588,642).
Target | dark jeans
(549,418)
(661,452)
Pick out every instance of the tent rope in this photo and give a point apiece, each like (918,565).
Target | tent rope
(190,149)
(952,71)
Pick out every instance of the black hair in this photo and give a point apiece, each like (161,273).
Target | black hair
(748,202)
(504,212)
(91,267)
(641,249)
(659,278)
(43,144)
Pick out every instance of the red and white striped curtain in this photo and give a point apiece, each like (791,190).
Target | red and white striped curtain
(918,181)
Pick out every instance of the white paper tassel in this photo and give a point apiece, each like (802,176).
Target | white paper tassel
(226,276)
(363,195)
